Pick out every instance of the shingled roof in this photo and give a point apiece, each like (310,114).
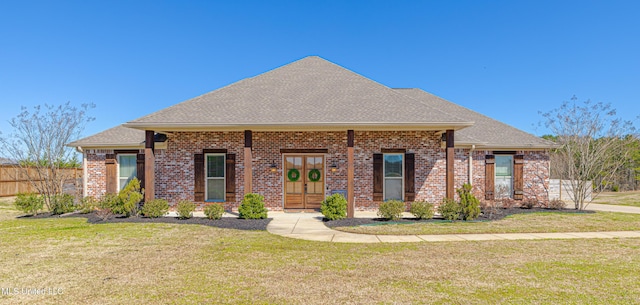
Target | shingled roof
(486,132)
(315,94)
(118,136)
(311,92)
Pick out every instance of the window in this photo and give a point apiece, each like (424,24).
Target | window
(504,176)
(126,169)
(393,176)
(215,174)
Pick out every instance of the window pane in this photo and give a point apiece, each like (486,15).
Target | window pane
(504,179)
(392,189)
(127,169)
(215,189)
(123,182)
(504,165)
(215,166)
(504,187)
(393,165)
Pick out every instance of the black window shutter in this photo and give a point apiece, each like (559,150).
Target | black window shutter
(230,178)
(140,169)
(409,177)
(378,177)
(198,175)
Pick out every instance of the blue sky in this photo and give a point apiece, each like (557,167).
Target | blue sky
(505,59)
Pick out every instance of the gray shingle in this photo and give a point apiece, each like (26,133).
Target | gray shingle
(310,91)
(116,136)
(314,92)
(486,132)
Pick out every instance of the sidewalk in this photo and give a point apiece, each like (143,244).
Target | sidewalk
(309,226)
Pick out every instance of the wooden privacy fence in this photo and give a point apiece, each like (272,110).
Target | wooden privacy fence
(13,180)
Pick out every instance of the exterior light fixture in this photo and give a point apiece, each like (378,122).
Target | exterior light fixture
(333,167)
(273,168)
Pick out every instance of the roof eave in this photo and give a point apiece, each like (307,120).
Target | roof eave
(158,145)
(298,126)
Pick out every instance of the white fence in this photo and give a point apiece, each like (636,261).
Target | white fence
(563,190)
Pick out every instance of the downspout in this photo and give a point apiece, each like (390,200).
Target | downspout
(84,171)
(473,147)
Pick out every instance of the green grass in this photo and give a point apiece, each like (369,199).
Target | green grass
(184,264)
(619,198)
(542,222)
(8,209)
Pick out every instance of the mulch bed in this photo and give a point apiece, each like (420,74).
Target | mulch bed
(225,222)
(497,215)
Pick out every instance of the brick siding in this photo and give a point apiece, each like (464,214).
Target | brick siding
(175,177)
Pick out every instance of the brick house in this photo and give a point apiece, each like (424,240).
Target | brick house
(308,129)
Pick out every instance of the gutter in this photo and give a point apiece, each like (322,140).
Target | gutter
(84,170)
(473,148)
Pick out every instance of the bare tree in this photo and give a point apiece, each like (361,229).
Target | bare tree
(37,144)
(593,146)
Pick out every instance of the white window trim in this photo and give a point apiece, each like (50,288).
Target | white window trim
(384,178)
(223,178)
(118,167)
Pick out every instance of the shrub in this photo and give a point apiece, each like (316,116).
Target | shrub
(391,209)
(107,201)
(214,211)
(422,209)
(155,208)
(128,199)
(105,205)
(334,207)
(29,203)
(450,209)
(88,204)
(252,207)
(185,209)
(528,203)
(61,204)
(556,204)
(469,204)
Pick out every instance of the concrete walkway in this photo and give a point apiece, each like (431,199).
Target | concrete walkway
(309,226)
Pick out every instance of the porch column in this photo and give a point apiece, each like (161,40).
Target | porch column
(248,162)
(149,165)
(450,164)
(350,175)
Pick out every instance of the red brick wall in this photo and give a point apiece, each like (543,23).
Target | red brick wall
(174,166)
(96,172)
(536,174)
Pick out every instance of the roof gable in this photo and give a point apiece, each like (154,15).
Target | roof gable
(307,92)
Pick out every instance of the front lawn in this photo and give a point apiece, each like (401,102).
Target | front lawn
(7,208)
(619,198)
(148,263)
(539,222)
